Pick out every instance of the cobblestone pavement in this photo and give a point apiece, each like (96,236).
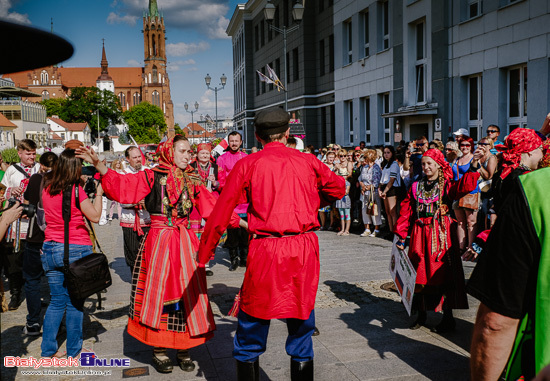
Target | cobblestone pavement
(364,334)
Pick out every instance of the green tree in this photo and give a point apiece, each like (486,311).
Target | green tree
(83,105)
(146,123)
(178,129)
(54,106)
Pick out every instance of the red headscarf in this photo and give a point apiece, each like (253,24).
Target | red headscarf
(176,180)
(205,146)
(438,157)
(521,140)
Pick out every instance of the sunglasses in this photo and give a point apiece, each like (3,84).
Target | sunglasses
(449,149)
(492,131)
(465,145)
(342,156)
(420,144)
(483,144)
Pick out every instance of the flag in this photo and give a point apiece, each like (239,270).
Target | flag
(274,78)
(143,160)
(264,78)
(222,145)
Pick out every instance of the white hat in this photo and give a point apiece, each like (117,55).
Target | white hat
(462,131)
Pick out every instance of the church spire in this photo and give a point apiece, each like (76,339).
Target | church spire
(104,66)
(153,9)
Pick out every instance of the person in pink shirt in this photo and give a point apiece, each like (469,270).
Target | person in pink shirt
(237,239)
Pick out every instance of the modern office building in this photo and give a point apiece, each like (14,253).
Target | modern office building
(406,68)
(308,72)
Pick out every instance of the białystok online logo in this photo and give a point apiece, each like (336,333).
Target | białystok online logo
(86,359)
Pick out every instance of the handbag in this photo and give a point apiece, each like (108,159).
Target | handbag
(470,201)
(372,207)
(85,276)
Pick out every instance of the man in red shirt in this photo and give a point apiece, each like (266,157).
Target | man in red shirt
(284,189)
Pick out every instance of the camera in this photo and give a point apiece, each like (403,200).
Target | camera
(90,187)
(28,209)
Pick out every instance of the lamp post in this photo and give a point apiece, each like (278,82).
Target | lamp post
(186,106)
(297,15)
(223,81)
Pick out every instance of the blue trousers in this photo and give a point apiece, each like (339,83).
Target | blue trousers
(251,338)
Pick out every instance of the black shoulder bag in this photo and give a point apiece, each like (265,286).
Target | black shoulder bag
(85,276)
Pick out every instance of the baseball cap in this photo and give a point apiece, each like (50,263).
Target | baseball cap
(462,131)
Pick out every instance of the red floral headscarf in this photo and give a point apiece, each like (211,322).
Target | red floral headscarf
(177,178)
(204,146)
(438,157)
(521,140)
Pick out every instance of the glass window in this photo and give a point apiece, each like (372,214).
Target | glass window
(321,58)
(475,114)
(331,53)
(348,42)
(137,98)
(296,64)
(156,98)
(44,77)
(517,97)
(474,8)
(348,124)
(122,99)
(366,38)
(385,110)
(155,74)
(366,119)
(45,95)
(385,25)
(420,62)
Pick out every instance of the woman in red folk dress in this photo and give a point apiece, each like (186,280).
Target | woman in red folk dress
(433,248)
(169,306)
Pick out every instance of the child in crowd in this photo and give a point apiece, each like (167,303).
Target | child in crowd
(344,205)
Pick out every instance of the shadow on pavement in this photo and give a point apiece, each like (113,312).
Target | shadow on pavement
(122,269)
(378,320)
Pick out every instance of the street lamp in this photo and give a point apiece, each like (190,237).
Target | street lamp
(223,81)
(297,15)
(186,106)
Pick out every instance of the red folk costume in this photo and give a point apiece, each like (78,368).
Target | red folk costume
(433,248)
(169,305)
(284,188)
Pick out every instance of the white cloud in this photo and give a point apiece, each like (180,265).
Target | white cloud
(134,63)
(115,18)
(205,16)
(15,17)
(184,49)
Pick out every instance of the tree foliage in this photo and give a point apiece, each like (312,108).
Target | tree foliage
(54,106)
(83,105)
(146,123)
(178,130)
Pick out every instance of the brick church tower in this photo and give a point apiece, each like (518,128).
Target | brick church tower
(156,84)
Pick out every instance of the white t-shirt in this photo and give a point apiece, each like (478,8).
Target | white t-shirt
(391,171)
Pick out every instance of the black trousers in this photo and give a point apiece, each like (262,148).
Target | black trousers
(12,263)
(132,244)
(237,239)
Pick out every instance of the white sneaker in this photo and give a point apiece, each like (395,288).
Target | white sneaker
(102,222)
(375,233)
(366,233)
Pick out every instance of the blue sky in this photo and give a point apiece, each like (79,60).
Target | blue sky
(196,41)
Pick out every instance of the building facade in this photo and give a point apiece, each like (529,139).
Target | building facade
(407,68)
(131,85)
(309,68)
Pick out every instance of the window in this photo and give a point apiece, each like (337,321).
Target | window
(155,74)
(45,95)
(262,33)
(278,69)
(475,111)
(420,62)
(517,97)
(44,77)
(348,42)
(258,85)
(256,37)
(285,13)
(63,135)
(137,98)
(321,58)
(385,25)
(365,27)
(331,53)
(474,8)
(348,121)
(330,3)
(295,65)
(155,98)
(271,84)
(288,67)
(366,118)
(386,121)
(122,99)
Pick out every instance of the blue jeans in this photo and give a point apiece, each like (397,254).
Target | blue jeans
(52,258)
(32,272)
(251,338)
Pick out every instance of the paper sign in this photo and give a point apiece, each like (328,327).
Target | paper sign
(403,275)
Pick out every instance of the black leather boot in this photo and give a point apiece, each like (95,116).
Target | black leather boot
(248,371)
(301,370)
(234,258)
(16,284)
(244,256)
